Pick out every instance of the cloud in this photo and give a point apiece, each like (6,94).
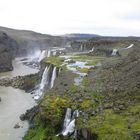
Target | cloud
(67,16)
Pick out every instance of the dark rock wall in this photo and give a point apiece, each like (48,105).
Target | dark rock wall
(8,49)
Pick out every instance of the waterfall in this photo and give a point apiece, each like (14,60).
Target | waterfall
(53,77)
(42,56)
(114,52)
(43,83)
(70,128)
(67,118)
(44,80)
(69,122)
(92,50)
(49,53)
(130,46)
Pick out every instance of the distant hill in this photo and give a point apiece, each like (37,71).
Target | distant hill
(28,41)
(80,36)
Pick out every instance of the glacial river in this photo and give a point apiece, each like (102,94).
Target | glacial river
(14,103)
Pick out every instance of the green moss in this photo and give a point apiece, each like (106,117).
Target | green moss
(109,126)
(74,89)
(134,109)
(83,70)
(136,126)
(41,133)
(57,61)
(36,134)
(54,108)
(30,81)
(86,104)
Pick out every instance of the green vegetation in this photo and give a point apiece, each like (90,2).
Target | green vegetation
(57,61)
(48,121)
(92,60)
(109,114)
(83,70)
(30,81)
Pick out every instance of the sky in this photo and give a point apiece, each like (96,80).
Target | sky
(103,17)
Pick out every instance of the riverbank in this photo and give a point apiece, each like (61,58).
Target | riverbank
(14,102)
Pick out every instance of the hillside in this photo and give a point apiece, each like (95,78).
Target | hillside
(81,36)
(29,41)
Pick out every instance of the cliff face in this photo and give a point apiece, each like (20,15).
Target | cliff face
(29,41)
(8,48)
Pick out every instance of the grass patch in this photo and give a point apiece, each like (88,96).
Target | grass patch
(83,70)
(57,61)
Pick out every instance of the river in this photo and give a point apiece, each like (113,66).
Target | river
(14,103)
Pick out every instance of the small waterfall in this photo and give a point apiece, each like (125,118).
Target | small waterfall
(130,46)
(53,77)
(47,82)
(70,128)
(92,50)
(114,52)
(43,83)
(81,48)
(67,118)
(44,80)
(49,53)
(42,56)
(69,122)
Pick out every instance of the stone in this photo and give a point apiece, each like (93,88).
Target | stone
(17,126)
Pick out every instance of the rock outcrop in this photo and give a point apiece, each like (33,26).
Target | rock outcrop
(26,83)
(8,48)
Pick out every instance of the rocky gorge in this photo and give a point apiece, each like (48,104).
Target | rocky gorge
(8,48)
(89,90)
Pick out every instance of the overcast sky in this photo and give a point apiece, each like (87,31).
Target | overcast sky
(104,17)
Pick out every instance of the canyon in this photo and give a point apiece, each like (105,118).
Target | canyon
(69,87)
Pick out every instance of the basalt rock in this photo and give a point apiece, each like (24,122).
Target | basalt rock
(30,114)
(86,134)
(8,49)
(26,83)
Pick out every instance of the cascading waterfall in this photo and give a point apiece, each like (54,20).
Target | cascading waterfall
(44,82)
(53,77)
(49,53)
(114,52)
(81,48)
(67,118)
(42,56)
(54,53)
(92,50)
(47,81)
(69,122)
(130,46)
